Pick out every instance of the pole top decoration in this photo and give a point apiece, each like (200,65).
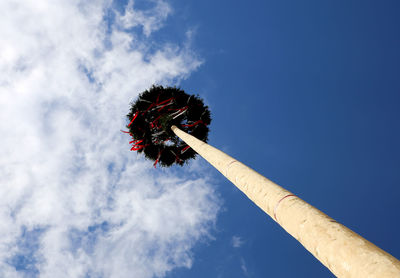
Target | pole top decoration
(151,117)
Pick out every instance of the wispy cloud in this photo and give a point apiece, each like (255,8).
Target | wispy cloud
(150,20)
(237,241)
(74,201)
(243,266)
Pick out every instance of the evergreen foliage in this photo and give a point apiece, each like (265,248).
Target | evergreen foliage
(151,117)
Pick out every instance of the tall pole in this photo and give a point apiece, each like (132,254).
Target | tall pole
(341,250)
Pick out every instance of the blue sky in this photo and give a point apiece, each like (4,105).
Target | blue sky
(305,93)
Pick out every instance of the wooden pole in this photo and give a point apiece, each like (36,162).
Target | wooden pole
(341,250)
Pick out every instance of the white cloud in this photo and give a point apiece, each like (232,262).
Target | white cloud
(237,241)
(74,200)
(244,267)
(150,20)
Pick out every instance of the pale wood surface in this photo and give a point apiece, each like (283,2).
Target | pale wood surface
(341,250)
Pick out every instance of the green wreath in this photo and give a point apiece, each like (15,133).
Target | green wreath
(151,117)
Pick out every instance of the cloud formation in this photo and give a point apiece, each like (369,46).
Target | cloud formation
(74,201)
(237,241)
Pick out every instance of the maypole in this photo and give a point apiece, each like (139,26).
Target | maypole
(153,125)
(341,250)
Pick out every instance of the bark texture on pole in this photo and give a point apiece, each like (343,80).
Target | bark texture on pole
(341,250)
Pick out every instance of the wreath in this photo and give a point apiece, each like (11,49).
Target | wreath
(151,117)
